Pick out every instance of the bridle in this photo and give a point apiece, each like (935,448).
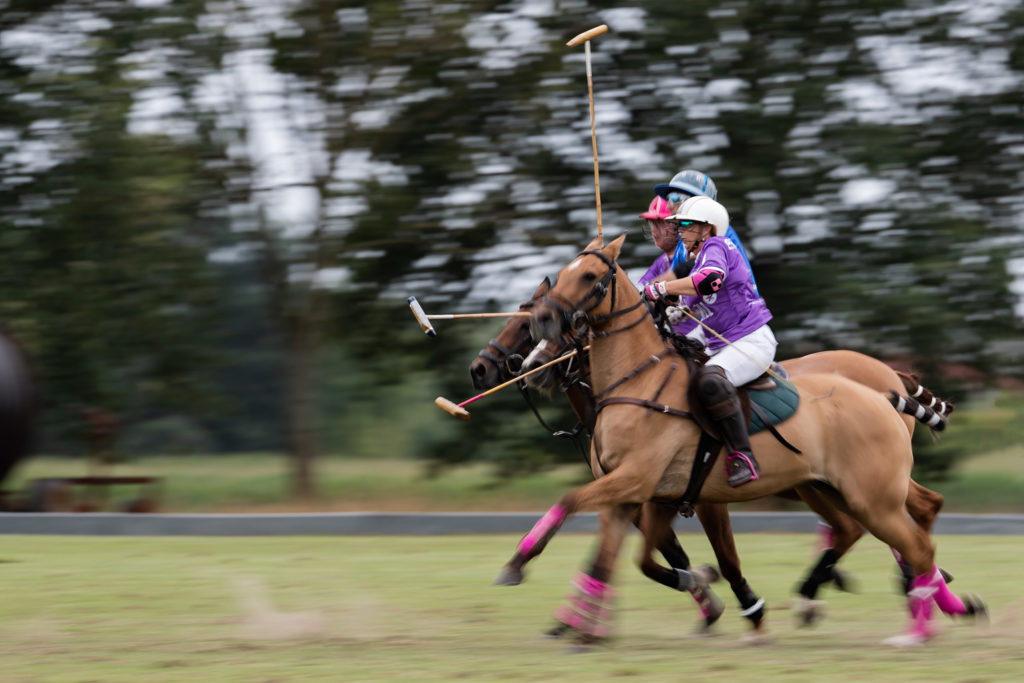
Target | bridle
(508,356)
(576,317)
(508,363)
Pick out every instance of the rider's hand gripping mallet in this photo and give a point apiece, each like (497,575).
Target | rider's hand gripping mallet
(460,412)
(585,38)
(424,320)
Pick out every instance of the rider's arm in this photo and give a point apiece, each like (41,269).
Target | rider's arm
(706,280)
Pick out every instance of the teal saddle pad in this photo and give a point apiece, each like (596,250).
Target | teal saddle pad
(776,404)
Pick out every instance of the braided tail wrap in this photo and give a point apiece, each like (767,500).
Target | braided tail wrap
(924,414)
(925,397)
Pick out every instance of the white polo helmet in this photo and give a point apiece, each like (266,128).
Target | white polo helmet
(701,209)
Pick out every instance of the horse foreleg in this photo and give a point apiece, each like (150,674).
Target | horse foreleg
(532,544)
(622,485)
(714,517)
(588,606)
(656,526)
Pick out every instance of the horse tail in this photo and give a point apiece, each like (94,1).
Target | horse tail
(924,414)
(925,397)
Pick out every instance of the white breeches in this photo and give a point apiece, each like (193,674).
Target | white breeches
(748,357)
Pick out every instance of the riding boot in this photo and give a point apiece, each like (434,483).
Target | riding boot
(723,406)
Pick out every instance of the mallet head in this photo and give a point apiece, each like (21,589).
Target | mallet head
(421,317)
(451,408)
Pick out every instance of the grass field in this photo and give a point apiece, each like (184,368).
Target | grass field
(422,608)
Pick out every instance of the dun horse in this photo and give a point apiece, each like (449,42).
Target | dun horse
(854,449)
(496,363)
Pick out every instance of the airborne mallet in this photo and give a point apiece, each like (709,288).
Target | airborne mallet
(424,320)
(460,412)
(585,38)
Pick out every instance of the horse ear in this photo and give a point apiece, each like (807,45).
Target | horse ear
(595,244)
(542,288)
(613,250)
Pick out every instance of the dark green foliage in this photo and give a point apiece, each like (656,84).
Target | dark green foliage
(443,143)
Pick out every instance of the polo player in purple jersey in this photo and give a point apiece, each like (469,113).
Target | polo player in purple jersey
(719,292)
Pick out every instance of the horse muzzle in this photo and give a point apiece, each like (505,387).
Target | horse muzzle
(484,374)
(547,323)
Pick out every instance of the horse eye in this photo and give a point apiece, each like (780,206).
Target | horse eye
(589,277)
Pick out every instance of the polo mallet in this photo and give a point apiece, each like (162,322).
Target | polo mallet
(424,320)
(585,38)
(460,412)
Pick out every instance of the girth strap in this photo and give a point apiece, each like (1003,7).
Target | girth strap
(643,403)
(771,428)
(707,452)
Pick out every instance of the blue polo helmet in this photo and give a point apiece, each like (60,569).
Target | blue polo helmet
(692,182)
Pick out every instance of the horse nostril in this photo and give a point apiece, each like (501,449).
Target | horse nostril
(477,369)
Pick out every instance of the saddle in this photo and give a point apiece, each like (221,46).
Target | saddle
(766,401)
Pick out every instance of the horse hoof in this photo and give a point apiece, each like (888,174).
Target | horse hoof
(946,576)
(509,576)
(976,608)
(807,611)
(707,573)
(556,631)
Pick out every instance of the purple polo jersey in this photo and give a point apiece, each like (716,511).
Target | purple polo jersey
(735,310)
(659,266)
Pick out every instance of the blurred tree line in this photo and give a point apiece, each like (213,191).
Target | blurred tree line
(212,212)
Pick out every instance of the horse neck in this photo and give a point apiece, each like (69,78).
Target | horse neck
(614,355)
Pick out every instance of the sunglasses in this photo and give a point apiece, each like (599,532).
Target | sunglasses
(677,197)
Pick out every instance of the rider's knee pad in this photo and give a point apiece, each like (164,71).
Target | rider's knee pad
(716,391)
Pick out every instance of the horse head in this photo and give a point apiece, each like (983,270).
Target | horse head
(583,295)
(501,359)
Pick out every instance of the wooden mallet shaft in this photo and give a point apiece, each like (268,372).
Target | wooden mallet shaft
(585,38)
(424,320)
(460,412)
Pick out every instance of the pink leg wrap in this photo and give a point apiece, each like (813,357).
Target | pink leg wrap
(947,601)
(920,614)
(552,519)
(701,600)
(589,606)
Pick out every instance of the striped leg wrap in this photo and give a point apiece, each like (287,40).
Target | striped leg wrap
(925,414)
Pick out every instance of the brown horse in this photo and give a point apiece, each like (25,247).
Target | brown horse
(504,355)
(854,449)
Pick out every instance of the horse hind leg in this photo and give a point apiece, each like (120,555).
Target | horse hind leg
(928,586)
(844,531)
